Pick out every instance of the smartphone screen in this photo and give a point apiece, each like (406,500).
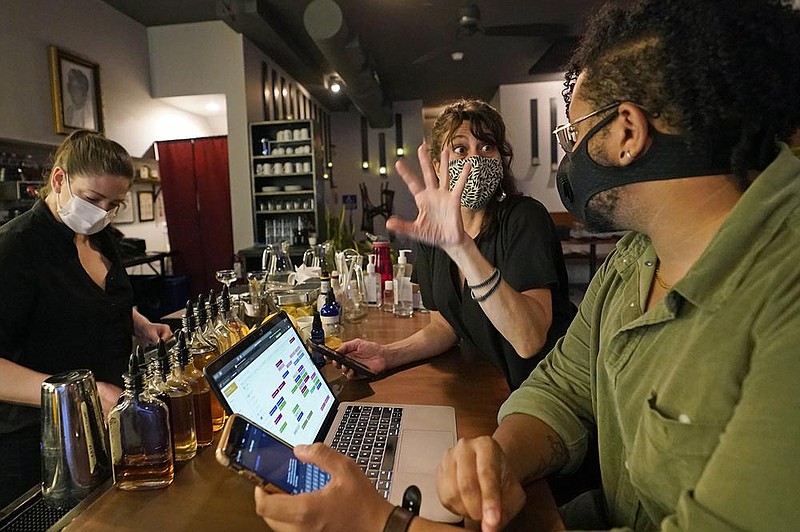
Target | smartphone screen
(252,448)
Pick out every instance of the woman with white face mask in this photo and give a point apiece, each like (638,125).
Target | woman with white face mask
(490,265)
(67,301)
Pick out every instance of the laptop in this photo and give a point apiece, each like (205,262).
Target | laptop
(270,378)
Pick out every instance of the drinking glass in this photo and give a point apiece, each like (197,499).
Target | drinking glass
(226,277)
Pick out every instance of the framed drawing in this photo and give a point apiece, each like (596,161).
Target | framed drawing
(125,212)
(145,200)
(75,83)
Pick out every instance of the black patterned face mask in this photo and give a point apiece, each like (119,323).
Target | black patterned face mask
(482,181)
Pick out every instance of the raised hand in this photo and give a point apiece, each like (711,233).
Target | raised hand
(439,220)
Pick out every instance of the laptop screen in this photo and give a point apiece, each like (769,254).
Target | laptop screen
(269,378)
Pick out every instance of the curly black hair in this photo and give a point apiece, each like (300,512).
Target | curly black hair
(726,75)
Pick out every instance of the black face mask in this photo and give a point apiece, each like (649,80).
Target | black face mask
(579,178)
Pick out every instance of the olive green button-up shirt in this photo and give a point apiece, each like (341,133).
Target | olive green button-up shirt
(696,401)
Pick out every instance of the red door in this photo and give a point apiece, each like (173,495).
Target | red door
(197,204)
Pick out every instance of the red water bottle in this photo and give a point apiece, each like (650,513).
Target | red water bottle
(383,262)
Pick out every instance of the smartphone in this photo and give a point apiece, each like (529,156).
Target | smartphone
(266,460)
(344,360)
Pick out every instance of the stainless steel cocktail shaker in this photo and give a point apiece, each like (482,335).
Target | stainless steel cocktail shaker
(75,448)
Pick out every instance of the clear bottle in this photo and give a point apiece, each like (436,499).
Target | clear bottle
(219,329)
(180,403)
(201,393)
(403,294)
(210,328)
(203,352)
(141,451)
(388,296)
(236,326)
(336,287)
(372,284)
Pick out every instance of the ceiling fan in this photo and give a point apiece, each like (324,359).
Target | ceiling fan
(469,24)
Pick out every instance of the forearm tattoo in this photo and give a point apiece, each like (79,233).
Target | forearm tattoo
(552,461)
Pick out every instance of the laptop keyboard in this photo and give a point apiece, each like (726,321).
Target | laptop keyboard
(368,435)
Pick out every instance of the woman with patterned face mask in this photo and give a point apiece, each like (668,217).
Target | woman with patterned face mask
(67,301)
(489,266)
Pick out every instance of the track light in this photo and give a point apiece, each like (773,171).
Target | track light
(334,84)
(382,153)
(398,135)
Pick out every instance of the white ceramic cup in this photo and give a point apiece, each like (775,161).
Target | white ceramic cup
(279,151)
(277,168)
(259,169)
(298,168)
(296,134)
(267,169)
(307,167)
(287,168)
(304,133)
(289,151)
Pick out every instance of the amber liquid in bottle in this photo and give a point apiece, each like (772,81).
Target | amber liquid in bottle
(201,393)
(180,402)
(203,351)
(139,432)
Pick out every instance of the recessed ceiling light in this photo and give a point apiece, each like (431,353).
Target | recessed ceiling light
(335,87)
(211,106)
(457,56)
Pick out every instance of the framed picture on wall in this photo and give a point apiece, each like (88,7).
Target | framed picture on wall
(145,203)
(125,212)
(75,84)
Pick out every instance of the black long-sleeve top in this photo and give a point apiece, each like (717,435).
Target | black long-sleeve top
(53,317)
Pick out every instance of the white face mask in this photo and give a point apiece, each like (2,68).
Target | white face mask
(482,181)
(83,217)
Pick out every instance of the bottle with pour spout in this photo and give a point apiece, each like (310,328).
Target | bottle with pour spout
(141,447)
(403,296)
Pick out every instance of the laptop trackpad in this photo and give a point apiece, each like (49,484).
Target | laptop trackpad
(421,450)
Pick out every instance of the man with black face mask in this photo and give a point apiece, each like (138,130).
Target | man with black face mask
(684,353)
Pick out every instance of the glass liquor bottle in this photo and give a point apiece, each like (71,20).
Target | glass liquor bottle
(180,404)
(155,388)
(201,393)
(205,321)
(141,452)
(202,352)
(215,326)
(237,327)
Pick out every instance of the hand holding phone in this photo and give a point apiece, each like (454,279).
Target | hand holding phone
(344,360)
(266,460)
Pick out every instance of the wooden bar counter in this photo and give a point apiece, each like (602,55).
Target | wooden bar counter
(206,497)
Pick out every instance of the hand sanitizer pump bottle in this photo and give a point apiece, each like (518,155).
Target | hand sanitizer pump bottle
(403,297)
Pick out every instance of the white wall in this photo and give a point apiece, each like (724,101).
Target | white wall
(513,102)
(208,58)
(91,29)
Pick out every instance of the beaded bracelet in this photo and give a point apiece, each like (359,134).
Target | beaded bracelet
(489,292)
(488,280)
(398,520)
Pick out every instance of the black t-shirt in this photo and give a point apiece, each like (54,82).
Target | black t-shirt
(525,247)
(53,317)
